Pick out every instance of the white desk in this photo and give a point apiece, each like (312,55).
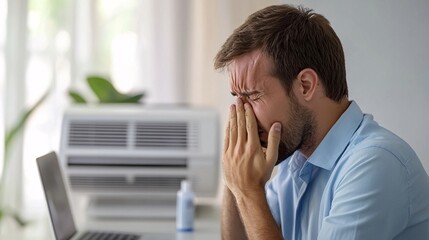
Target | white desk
(207,227)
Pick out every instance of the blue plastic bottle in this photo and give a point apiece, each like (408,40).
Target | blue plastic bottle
(185,208)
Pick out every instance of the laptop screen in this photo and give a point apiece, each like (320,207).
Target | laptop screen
(56,196)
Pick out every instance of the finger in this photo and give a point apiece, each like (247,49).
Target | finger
(273,143)
(251,125)
(232,126)
(226,138)
(241,122)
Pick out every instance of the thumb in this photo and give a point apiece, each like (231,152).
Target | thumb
(273,143)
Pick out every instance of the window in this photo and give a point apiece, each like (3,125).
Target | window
(67,40)
(116,45)
(48,68)
(107,42)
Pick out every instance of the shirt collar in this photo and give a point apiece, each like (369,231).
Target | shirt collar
(337,139)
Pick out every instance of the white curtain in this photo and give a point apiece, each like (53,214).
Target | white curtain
(14,99)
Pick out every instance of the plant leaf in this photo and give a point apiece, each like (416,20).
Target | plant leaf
(19,219)
(132,98)
(107,93)
(103,89)
(77,98)
(4,212)
(10,135)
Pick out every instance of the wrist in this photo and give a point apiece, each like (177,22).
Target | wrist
(255,194)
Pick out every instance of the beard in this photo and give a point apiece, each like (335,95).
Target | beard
(298,134)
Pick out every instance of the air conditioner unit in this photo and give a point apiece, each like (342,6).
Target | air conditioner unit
(129,160)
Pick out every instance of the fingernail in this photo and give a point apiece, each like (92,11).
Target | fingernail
(277,127)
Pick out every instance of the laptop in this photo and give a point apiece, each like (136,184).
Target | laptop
(60,211)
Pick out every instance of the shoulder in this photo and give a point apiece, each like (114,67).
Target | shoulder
(373,141)
(379,155)
(378,160)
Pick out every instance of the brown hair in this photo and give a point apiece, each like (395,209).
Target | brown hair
(294,39)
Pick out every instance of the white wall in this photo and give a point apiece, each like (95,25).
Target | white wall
(386,44)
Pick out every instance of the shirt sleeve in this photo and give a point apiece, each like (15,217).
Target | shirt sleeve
(370,200)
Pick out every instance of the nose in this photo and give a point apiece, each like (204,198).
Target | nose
(241,99)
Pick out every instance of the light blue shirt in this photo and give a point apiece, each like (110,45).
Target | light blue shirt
(361,182)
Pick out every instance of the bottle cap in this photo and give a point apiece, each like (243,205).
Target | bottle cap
(185,186)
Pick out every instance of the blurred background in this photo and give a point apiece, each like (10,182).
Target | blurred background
(166,49)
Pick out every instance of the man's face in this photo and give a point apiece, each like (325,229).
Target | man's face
(251,78)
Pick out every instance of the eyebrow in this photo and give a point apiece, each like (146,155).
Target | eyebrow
(244,94)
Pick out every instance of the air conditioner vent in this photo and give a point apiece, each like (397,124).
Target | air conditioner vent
(120,183)
(98,134)
(165,135)
(127,161)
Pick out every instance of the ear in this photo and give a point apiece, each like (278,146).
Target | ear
(308,82)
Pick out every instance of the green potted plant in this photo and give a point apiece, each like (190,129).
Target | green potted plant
(105,92)
(10,136)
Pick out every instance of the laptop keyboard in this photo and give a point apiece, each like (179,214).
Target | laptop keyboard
(108,236)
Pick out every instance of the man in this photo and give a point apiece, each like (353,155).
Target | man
(340,175)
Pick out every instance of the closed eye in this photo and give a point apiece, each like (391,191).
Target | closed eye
(254,97)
